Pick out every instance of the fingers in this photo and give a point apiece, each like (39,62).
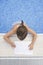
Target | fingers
(30,47)
(13,45)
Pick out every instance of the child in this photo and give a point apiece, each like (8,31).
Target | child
(21,30)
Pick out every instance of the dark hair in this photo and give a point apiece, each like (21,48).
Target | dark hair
(21,31)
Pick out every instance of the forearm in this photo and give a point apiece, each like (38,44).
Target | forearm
(34,39)
(7,39)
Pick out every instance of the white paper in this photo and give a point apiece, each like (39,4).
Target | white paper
(22,48)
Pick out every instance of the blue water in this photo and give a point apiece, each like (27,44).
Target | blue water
(31,11)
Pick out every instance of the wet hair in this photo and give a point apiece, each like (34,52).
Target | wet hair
(21,31)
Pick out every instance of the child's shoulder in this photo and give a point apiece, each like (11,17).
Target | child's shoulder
(16,25)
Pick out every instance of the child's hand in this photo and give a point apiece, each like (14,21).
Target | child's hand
(13,45)
(31,46)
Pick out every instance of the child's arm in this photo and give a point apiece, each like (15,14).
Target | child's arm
(34,37)
(7,35)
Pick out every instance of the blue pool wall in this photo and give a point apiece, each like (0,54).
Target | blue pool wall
(31,11)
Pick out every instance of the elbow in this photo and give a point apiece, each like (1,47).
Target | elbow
(35,36)
(4,37)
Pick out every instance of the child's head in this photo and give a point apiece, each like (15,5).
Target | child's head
(21,31)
